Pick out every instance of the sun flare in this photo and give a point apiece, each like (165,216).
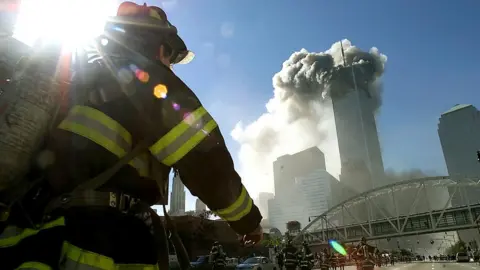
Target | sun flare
(71,22)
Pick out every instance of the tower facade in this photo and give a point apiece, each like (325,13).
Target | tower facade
(459,133)
(199,206)
(359,146)
(177,201)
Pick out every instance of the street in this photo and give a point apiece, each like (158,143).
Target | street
(427,266)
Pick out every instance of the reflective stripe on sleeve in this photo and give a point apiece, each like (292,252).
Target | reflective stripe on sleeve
(184,137)
(77,258)
(104,131)
(34,266)
(240,208)
(12,235)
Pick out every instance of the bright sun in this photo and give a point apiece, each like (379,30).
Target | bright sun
(71,22)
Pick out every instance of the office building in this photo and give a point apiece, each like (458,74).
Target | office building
(459,133)
(317,193)
(287,167)
(177,201)
(359,147)
(199,206)
(262,202)
(288,203)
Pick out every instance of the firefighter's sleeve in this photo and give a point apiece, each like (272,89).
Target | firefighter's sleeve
(190,140)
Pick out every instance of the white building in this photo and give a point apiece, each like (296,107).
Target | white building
(459,132)
(262,202)
(287,167)
(177,200)
(316,189)
(199,206)
(289,203)
(359,147)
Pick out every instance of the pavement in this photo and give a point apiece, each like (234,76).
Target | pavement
(426,266)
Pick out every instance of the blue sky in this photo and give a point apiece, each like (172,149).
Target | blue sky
(431,48)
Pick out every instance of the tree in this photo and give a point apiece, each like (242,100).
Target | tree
(293,226)
(405,252)
(459,246)
(190,213)
(207,214)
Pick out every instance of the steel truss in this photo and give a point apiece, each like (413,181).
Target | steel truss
(412,207)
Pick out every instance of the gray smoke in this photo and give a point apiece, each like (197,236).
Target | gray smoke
(299,115)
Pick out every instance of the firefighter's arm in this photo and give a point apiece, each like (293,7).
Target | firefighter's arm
(190,140)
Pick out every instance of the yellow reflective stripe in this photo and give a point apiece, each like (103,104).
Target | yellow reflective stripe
(190,144)
(137,267)
(10,241)
(34,265)
(76,257)
(107,141)
(94,136)
(104,119)
(179,129)
(240,208)
(184,137)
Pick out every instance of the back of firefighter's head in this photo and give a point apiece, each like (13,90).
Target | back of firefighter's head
(148,31)
(364,240)
(305,244)
(216,244)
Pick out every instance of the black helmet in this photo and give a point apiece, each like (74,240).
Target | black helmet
(363,240)
(155,19)
(216,243)
(305,243)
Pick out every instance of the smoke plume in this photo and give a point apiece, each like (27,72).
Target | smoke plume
(299,115)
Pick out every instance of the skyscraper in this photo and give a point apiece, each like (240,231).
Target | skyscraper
(199,206)
(177,201)
(459,132)
(359,147)
(287,167)
(263,198)
(317,190)
(286,206)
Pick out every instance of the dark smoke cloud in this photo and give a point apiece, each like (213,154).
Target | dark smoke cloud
(299,115)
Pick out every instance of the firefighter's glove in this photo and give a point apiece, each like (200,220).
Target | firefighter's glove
(253,238)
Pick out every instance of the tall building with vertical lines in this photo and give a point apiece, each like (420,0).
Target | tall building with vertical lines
(177,198)
(459,133)
(359,146)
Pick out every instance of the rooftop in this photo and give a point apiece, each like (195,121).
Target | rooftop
(457,107)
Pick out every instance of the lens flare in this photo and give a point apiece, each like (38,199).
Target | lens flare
(337,247)
(160,91)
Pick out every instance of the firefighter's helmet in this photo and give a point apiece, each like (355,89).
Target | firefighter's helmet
(363,240)
(216,243)
(305,243)
(154,19)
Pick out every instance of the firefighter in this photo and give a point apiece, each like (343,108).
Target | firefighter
(280,260)
(341,261)
(334,261)
(104,161)
(365,255)
(324,259)
(217,256)
(306,257)
(290,252)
